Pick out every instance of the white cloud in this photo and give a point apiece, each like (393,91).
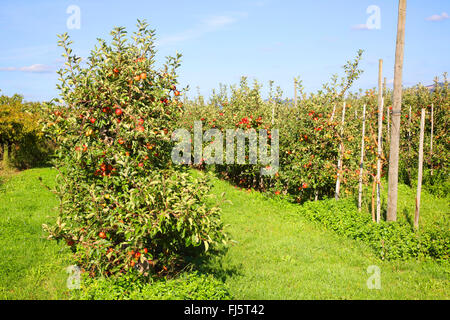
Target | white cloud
(438,17)
(219,21)
(35,68)
(273,47)
(259,3)
(360,27)
(28,52)
(207,25)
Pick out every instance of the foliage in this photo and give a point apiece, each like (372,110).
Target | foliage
(436,161)
(313,138)
(389,240)
(21,139)
(123,203)
(278,254)
(187,286)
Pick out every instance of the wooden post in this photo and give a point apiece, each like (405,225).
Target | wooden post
(332,114)
(341,150)
(361,161)
(374,185)
(409,142)
(431,138)
(388,114)
(380,134)
(419,174)
(396,109)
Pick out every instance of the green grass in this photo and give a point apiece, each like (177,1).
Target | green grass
(279,255)
(433,210)
(275,253)
(31,267)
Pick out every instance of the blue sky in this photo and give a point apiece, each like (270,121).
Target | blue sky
(224,40)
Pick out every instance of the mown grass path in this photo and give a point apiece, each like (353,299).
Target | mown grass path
(31,267)
(276,254)
(281,255)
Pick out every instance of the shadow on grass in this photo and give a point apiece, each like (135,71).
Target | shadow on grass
(211,263)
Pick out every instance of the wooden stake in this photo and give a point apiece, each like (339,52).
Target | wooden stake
(387,112)
(396,109)
(374,185)
(431,138)
(361,161)
(409,142)
(332,114)
(419,175)
(341,150)
(380,134)
(388,115)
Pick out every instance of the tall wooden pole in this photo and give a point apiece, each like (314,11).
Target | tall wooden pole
(396,109)
(388,114)
(341,151)
(419,174)
(380,134)
(361,161)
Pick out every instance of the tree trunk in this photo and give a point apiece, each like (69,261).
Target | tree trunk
(380,134)
(6,154)
(396,109)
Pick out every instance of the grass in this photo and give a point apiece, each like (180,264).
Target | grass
(279,255)
(31,267)
(433,210)
(275,253)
